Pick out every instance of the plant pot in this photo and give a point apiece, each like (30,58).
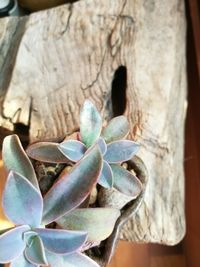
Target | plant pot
(103,254)
(35,5)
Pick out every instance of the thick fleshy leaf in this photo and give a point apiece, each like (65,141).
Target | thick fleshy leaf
(90,124)
(22,202)
(106,177)
(125,181)
(12,244)
(46,152)
(71,260)
(102,145)
(28,236)
(73,149)
(116,129)
(21,262)
(73,188)
(120,151)
(15,159)
(35,252)
(62,241)
(98,222)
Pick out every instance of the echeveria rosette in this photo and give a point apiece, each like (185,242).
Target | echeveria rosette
(114,149)
(29,243)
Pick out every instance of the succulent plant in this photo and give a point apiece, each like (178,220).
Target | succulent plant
(113,147)
(29,243)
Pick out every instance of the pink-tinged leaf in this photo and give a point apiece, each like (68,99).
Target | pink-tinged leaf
(102,145)
(46,152)
(120,151)
(15,159)
(35,252)
(97,222)
(106,177)
(73,188)
(125,181)
(72,149)
(21,262)
(90,124)
(22,202)
(71,260)
(12,244)
(62,241)
(116,129)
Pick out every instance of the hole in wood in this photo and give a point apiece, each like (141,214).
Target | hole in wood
(23,132)
(118,93)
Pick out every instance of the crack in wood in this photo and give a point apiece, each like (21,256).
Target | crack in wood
(97,75)
(113,31)
(68,19)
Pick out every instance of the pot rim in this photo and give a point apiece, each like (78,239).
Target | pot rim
(126,212)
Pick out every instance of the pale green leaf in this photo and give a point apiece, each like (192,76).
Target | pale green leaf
(98,222)
(90,124)
(116,129)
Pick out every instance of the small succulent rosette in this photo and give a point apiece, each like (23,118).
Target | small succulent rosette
(32,242)
(110,140)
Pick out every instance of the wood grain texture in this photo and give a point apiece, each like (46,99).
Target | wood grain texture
(70,53)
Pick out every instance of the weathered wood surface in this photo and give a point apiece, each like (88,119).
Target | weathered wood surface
(70,53)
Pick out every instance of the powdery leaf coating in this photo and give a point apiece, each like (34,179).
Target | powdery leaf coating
(90,124)
(35,252)
(120,151)
(21,262)
(11,243)
(102,145)
(125,181)
(106,177)
(15,159)
(116,129)
(72,149)
(61,241)
(71,260)
(98,222)
(46,152)
(22,202)
(65,194)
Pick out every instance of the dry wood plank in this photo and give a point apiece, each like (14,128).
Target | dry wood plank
(65,56)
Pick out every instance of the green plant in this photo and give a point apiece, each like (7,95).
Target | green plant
(114,149)
(33,242)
